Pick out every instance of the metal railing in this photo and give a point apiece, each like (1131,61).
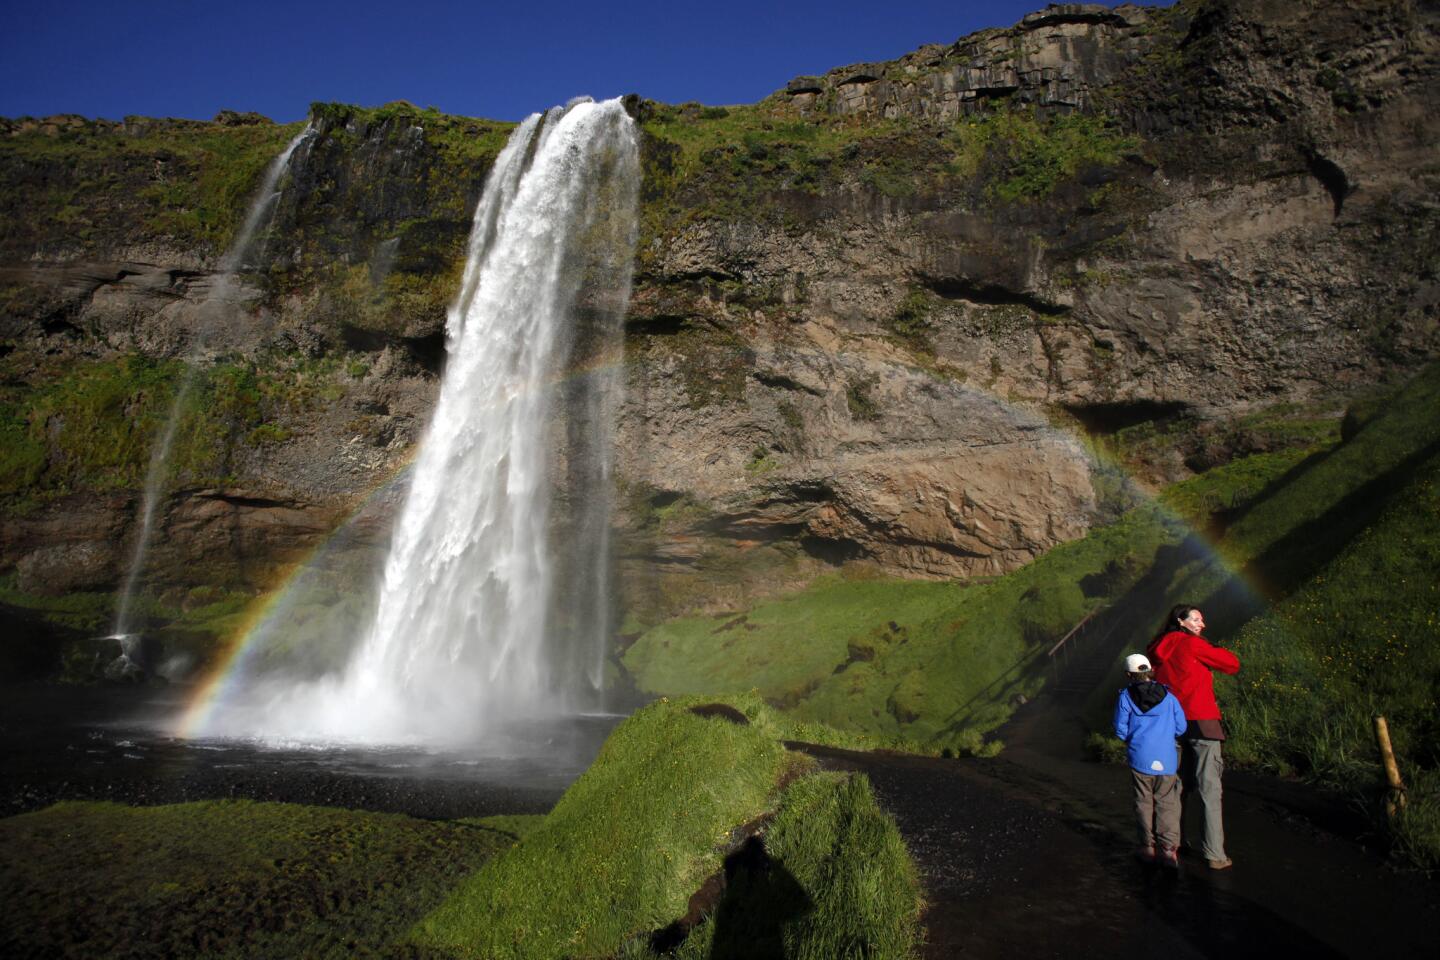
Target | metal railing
(1063,647)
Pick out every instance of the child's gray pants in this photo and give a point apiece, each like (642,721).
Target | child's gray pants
(1157,809)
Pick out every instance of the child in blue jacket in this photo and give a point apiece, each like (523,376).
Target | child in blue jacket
(1148,718)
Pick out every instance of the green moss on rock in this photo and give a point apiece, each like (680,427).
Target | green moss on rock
(185,183)
(224,879)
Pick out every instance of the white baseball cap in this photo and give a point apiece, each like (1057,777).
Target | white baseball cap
(1137,663)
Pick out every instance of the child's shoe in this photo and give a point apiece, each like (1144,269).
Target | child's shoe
(1170,858)
(1145,854)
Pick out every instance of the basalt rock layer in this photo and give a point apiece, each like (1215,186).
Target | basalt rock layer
(875,316)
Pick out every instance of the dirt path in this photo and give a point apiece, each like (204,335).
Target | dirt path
(1029,854)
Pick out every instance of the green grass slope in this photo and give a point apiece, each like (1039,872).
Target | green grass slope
(783,648)
(1327,586)
(1285,536)
(927,665)
(624,848)
(1361,638)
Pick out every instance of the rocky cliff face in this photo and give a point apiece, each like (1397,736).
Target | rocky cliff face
(885,314)
(1068,55)
(975,259)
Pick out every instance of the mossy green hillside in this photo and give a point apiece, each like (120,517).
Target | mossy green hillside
(1328,502)
(1285,536)
(1231,486)
(225,879)
(187,182)
(671,794)
(92,426)
(933,663)
(957,674)
(765,160)
(1149,449)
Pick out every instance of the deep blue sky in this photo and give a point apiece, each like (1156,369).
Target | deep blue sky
(191,58)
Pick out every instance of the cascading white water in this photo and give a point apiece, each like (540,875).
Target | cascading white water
(464,637)
(260,210)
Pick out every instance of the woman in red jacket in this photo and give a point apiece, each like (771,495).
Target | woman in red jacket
(1183,661)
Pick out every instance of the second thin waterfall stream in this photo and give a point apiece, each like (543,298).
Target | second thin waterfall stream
(242,247)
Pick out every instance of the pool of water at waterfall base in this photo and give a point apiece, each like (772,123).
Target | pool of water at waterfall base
(115,743)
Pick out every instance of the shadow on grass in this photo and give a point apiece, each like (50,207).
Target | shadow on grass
(1007,684)
(761,898)
(1301,553)
(749,904)
(1127,623)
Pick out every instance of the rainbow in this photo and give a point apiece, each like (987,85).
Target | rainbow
(224,678)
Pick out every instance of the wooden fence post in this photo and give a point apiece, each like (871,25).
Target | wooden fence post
(1395,800)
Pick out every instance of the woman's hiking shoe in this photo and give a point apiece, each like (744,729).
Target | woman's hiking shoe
(1225,864)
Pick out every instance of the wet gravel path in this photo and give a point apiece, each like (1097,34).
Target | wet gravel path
(1030,854)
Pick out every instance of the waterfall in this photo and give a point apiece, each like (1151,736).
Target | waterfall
(261,208)
(493,605)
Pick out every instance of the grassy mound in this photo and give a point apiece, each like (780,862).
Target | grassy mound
(624,848)
(619,858)
(224,879)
